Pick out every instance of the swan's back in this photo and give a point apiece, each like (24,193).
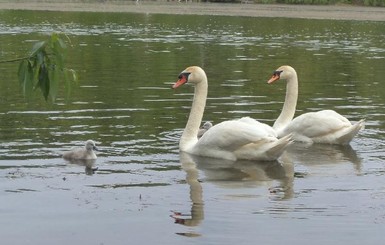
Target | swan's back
(326,126)
(263,126)
(230,135)
(79,154)
(230,139)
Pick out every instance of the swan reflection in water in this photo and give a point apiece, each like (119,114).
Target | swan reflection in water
(230,172)
(322,154)
(89,164)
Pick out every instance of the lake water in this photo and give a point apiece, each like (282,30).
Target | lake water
(143,190)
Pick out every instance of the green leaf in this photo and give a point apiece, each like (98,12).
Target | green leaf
(55,39)
(44,68)
(43,81)
(26,74)
(39,57)
(59,55)
(28,82)
(37,47)
(62,44)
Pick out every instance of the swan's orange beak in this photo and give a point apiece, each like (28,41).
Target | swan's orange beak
(182,80)
(274,78)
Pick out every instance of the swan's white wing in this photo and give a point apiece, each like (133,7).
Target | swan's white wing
(77,153)
(231,135)
(317,124)
(267,128)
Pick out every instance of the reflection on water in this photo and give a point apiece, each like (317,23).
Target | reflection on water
(230,174)
(89,165)
(124,101)
(196,194)
(323,154)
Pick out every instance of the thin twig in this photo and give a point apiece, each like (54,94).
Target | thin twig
(14,60)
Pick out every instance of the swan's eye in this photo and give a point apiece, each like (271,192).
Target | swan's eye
(184,75)
(277,73)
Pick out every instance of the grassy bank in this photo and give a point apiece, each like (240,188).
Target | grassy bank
(378,3)
(374,3)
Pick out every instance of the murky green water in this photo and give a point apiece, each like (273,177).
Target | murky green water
(144,191)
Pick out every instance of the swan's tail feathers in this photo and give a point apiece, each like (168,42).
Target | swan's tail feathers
(279,147)
(351,132)
(361,124)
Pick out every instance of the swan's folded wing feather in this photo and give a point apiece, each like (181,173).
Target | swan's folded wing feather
(316,124)
(74,153)
(267,128)
(231,135)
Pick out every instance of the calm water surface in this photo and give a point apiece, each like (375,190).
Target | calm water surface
(143,190)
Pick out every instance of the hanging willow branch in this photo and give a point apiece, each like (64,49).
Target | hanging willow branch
(44,68)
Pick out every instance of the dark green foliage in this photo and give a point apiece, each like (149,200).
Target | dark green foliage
(44,68)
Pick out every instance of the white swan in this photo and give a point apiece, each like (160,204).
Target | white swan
(326,126)
(245,138)
(206,126)
(82,153)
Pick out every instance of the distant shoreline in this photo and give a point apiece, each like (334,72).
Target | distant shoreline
(330,12)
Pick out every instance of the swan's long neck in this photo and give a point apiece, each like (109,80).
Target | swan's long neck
(290,104)
(189,136)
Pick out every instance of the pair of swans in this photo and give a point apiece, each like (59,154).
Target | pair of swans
(249,139)
(244,138)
